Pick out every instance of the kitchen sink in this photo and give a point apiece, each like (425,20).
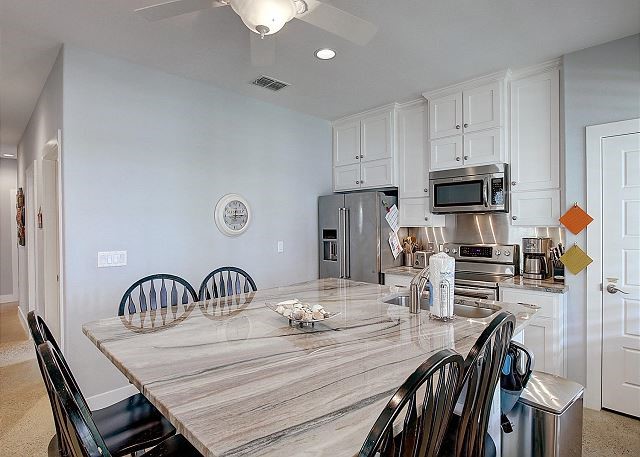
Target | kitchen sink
(462,307)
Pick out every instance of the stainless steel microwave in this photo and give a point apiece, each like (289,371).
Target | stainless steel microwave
(483,189)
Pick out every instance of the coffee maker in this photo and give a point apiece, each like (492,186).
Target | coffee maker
(536,255)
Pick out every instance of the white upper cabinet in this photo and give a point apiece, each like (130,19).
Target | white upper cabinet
(535,130)
(445,117)
(377,137)
(466,123)
(346,143)
(376,173)
(446,153)
(346,177)
(483,148)
(363,150)
(540,208)
(414,212)
(481,107)
(413,159)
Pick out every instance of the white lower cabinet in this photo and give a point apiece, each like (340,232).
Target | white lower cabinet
(545,334)
(346,177)
(414,212)
(536,208)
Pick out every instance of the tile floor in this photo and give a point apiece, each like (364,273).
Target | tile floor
(26,424)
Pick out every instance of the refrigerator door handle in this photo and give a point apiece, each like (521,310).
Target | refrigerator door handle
(343,228)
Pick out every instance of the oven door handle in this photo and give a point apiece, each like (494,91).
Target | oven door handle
(473,293)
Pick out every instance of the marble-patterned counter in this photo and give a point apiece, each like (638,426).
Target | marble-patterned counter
(236,379)
(545,285)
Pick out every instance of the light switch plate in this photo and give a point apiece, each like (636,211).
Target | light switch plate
(112,259)
(280,246)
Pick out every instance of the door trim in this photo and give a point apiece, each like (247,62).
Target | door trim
(594,136)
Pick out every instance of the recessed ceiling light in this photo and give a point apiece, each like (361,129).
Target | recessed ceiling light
(325,54)
(8,155)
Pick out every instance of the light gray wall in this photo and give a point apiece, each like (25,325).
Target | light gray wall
(43,126)
(601,84)
(8,180)
(146,157)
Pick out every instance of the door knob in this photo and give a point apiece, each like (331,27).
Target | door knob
(426,190)
(612,289)
(357,182)
(515,218)
(362,156)
(357,156)
(513,183)
(458,159)
(458,126)
(466,125)
(466,157)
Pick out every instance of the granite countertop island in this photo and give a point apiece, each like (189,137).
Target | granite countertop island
(236,379)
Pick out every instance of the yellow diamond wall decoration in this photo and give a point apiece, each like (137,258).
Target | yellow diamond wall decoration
(575,259)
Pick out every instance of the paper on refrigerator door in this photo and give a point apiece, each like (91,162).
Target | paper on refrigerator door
(394,242)
(392,219)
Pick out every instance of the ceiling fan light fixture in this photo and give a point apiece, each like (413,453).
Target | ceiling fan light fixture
(264,17)
(325,53)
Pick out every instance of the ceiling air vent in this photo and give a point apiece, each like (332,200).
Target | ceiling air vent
(270,83)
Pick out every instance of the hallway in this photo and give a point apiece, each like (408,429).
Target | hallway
(26,423)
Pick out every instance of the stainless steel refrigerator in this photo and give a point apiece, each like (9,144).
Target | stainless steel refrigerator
(354,236)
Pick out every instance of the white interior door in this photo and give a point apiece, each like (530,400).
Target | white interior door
(30,229)
(51,251)
(621,273)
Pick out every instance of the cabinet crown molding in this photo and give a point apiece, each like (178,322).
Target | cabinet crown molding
(548,65)
(469,84)
(377,109)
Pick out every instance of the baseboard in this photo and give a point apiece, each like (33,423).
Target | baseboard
(23,321)
(110,397)
(8,298)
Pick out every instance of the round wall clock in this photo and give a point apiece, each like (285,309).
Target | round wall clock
(232,215)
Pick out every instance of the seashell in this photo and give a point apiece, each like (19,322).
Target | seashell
(298,314)
(280,309)
(298,305)
(308,317)
(315,308)
(289,302)
(287,313)
(318,315)
(326,314)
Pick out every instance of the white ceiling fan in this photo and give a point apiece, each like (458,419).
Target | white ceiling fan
(267,17)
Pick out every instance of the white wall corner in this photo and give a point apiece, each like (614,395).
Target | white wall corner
(110,397)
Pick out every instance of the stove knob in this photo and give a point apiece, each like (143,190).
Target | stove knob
(455,251)
(498,252)
(446,250)
(507,252)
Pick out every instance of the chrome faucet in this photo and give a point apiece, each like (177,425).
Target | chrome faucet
(416,289)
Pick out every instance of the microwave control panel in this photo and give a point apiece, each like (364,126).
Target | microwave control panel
(497,191)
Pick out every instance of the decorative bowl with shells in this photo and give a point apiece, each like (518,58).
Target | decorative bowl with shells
(300,313)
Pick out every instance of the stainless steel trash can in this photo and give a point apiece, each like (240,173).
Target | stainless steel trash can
(547,419)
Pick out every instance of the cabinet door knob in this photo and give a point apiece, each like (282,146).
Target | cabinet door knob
(515,218)
(458,159)
(426,218)
(466,157)
(458,126)
(362,156)
(357,156)
(362,181)
(466,125)
(357,182)
(513,183)
(426,190)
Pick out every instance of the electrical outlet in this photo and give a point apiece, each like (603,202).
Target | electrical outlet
(280,246)
(112,259)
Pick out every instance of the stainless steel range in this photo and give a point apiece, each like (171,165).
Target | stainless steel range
(481,267)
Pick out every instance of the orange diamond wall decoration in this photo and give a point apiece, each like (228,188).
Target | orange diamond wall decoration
(576,219)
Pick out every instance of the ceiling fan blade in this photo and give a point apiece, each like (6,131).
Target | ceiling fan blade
(338,22)
(176,8)
(263,50)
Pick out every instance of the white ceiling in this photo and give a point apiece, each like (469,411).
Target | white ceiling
(420,45)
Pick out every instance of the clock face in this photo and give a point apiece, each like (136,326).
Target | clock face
(232,214)
(236,215)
